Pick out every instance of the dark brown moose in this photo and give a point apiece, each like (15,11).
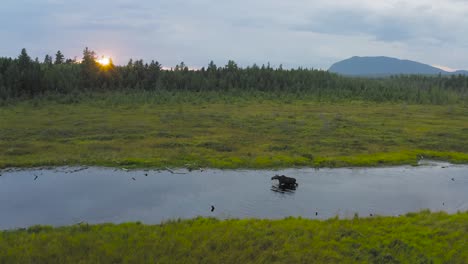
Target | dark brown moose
(285,181)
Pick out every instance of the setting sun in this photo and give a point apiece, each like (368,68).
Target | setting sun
(104,61)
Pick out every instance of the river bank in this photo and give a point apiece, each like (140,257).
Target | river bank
(423,237)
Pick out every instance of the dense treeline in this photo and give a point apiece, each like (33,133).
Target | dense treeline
(23,77)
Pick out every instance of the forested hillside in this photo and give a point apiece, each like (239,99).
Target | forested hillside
(23,77)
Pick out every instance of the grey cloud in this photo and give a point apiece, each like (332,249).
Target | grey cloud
(118,26)
(295,33)
(382,28)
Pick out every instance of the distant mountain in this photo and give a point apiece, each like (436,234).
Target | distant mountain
(462,72)
(385,66)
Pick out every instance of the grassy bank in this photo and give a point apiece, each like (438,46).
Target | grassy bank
(415,238)
(220,130)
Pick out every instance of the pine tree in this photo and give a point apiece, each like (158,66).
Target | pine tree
(24,61)
(89,68)
(48,59)
(59,58)
(211,67)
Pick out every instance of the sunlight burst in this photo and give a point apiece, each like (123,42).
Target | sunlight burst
(104,61)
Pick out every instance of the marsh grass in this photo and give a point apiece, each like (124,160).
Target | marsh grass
(223,130)
(422,237)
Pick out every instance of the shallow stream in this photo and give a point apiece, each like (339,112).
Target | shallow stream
(69,195)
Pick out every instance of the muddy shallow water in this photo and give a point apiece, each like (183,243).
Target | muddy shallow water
(69,195)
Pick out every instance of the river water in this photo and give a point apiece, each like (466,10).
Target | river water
(69,195)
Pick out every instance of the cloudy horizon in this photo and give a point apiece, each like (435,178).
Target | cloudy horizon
(292,33)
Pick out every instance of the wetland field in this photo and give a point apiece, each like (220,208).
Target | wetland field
(193,130)
(143,162)
(422,237)
(340,214)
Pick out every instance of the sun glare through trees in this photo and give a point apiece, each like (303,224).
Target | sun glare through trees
(104,61)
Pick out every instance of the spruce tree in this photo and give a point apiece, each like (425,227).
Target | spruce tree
(48,59)
(59,58)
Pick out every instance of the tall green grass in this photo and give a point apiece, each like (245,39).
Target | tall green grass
(414,238)
(221,130)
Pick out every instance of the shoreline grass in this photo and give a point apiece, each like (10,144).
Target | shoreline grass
(192,130)
(422,237)
(411,158)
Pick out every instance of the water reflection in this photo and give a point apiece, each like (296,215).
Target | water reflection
(69,195)
(288,189)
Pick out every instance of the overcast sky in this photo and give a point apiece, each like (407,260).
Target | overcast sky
(294,33)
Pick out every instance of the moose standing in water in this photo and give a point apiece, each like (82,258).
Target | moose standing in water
(285,181)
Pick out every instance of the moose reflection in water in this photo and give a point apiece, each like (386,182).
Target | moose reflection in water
(285,184)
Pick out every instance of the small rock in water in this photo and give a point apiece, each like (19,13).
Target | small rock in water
(133,179)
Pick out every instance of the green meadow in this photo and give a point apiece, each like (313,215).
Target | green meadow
(414,238)
(226,130)
(234,130)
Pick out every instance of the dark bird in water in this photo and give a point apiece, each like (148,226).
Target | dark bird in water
(316,213)
(35,178)
(443,203)
(371,214)
(133,179)
(212,208)
(453,179)
(146,174)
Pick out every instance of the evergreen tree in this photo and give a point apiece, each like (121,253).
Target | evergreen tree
(48,60)
(59,58)
(211,67)
(70,61)
(24,61)
(89,69)
(181,67)
(231,66)
(25,77)
(29,74)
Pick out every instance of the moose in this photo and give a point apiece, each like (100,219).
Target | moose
(285,181)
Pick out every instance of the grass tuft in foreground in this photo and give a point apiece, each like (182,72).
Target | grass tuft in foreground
(423,237)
